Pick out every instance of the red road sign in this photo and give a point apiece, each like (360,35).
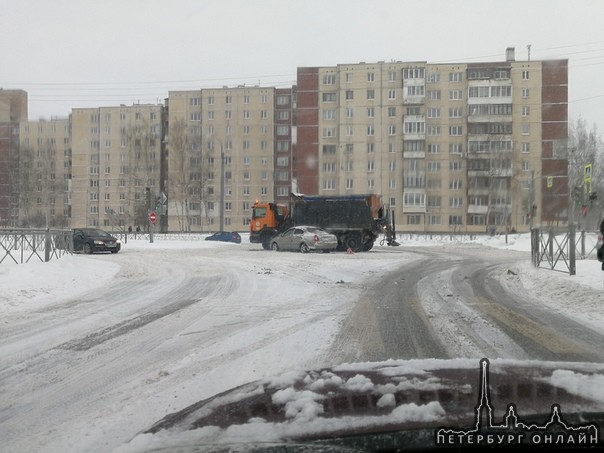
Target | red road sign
(152,217)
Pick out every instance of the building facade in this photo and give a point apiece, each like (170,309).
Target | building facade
(44,173)
(13,110)
(470,147)
(116,157)
(242,133)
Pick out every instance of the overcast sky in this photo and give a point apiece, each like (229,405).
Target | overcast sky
(79,53)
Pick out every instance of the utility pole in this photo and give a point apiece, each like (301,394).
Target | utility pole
(221,188)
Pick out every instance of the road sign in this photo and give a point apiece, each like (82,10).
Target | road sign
(152,217)
(587,173)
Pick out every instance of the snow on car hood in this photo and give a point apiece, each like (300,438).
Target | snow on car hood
(374,397)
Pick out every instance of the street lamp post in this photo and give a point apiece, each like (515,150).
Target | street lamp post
(221,188)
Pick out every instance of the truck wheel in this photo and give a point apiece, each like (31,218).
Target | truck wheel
(304,248)
(266,243)
(353,242)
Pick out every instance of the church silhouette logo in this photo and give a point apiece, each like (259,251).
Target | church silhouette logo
(513,431)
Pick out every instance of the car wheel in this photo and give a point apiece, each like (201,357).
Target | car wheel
(114,251)
(87,249)
(304,248)
(274,247)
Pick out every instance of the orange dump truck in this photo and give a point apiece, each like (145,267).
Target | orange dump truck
(356,220)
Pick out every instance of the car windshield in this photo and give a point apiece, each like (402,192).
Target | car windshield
(314,225)
(95,232)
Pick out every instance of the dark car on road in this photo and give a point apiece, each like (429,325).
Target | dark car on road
(91,240)
(225,236)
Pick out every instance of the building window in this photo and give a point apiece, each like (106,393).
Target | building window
(433,220)
(526,110)
(391,129)
(455,148)
(433,77)
(455,77)
(526,147)
(370,112)
(370,77)
(433,148)
(415,219)
(392,76)
(370,94)
(329,184)
(455,95)
(455,202)
(349,95)
(349,112)
(455,184)
(433,113)
(329,97)
(370,130)
(455,112)
(391,95)
(433,130)
(433,167)
(526,129)
(413,73)
(455,220)
(391,112)
(329,114)
(434,95)
(526,93)
(526,165)
(526,75)
(349,183)
(329,79)
(455,130)
(329,132)
(370,147)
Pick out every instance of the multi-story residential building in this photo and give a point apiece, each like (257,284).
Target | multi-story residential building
(44,173)
(242,133)
(285,103)
(13,110)
(116,157)
(464,147)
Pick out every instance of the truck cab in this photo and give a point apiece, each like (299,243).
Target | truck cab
(267,220)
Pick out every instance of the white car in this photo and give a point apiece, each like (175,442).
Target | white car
(305,239)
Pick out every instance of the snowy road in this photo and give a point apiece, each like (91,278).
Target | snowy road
(113,343)
(450,304)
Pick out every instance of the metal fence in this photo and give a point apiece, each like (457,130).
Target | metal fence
(556,249)
(21,245)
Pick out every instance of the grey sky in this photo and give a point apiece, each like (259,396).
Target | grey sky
(69,53)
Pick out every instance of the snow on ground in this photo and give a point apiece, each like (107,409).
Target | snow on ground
(282,331)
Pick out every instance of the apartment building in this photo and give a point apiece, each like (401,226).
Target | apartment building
(470,147)
(13,110)
(243,133)
(116,157)
(43,172)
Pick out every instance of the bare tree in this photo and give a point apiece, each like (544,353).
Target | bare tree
(586,149)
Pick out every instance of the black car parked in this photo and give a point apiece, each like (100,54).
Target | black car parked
(90,240)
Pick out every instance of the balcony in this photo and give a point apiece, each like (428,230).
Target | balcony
(477,209)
